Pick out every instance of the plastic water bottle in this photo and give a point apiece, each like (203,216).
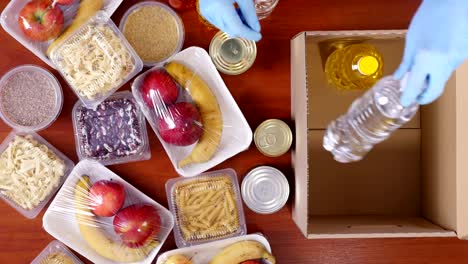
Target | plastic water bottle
(370,120)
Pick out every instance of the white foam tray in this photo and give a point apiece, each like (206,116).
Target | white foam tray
(202,254)
(60,222)
(9,22)
(237,134)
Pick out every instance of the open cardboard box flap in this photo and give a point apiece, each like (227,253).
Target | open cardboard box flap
(411,185)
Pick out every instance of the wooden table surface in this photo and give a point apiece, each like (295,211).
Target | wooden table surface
(263,92)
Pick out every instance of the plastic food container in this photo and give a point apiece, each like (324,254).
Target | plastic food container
(233,133)
(68,166)
(206,208)
(113,133)
(66,216)
(9,22)
(178,21)
(202,254)
(57,92)
(96,60)
(54,252)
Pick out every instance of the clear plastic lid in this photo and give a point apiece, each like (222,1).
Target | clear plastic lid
(96,60)
(113,133)
(206,208)
(56,253)
(32,170)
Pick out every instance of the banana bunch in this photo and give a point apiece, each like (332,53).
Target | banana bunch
(210,113)
(94,235)
(243,251)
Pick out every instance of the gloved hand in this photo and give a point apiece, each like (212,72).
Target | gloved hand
(223,15)
(436,44)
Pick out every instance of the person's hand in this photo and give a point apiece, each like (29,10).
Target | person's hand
(223,15)
(436,44)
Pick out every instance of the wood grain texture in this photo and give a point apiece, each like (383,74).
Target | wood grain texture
(263,92)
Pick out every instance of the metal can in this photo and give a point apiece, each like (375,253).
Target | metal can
(232,55)
(265,190)
(273,138)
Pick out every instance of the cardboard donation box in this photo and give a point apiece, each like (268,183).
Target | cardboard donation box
(414,184)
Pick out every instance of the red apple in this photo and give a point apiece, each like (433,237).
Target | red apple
(106,197)
(64,2)
(41,20)
(158,87)
(180,124)
(136,224)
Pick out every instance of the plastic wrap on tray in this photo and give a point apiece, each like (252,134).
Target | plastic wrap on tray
(115,132)
(192,112)
(31,171)
(59,18)
(105,219)
(206,208)
(56,253)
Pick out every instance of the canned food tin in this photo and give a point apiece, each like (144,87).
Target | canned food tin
(273,138)
(232,55)
(265,190)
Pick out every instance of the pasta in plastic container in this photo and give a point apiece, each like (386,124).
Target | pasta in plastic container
(105,219)
(56,253)
(192,112)
(96,60)
(31,171)
(17,20)
(206,208)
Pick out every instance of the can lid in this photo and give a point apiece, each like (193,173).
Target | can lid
(273,137)
(368,65)
(265,190)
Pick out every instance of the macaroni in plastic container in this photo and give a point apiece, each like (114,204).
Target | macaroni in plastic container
(192,112)
(31,171)
(16,21)
(105,219)
(113,133)
(56,253)
(206,208)
(96,60)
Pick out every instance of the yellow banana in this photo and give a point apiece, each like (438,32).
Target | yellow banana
(87,9)
(210,113)
(178,259)
(96,238)
(243,251)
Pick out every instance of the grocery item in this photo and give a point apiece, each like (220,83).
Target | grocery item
(154,30)
(96,60)
(370,120)
(106,197)
(265,7)
(41,20)
(273,138)
(64,2)
(56,253)
(87,9)
(232,55)
(158,88)
(30,98)
(134,234)
(354,67)
(182,5)
(113,133)
(265,190)
(252,262)
(178,259)
(211,117)
(243,251)
(206,207)
(180,124)
(137,224)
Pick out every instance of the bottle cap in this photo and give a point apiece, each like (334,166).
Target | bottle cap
(368,65)
(273,138)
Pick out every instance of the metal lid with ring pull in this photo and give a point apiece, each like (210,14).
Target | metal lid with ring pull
(273,138)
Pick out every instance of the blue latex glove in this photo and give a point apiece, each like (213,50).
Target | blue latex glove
(436,44)
(223,15)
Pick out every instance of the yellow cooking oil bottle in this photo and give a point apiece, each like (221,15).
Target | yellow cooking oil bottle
(354,67)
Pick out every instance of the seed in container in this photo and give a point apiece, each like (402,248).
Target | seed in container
(113,133)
